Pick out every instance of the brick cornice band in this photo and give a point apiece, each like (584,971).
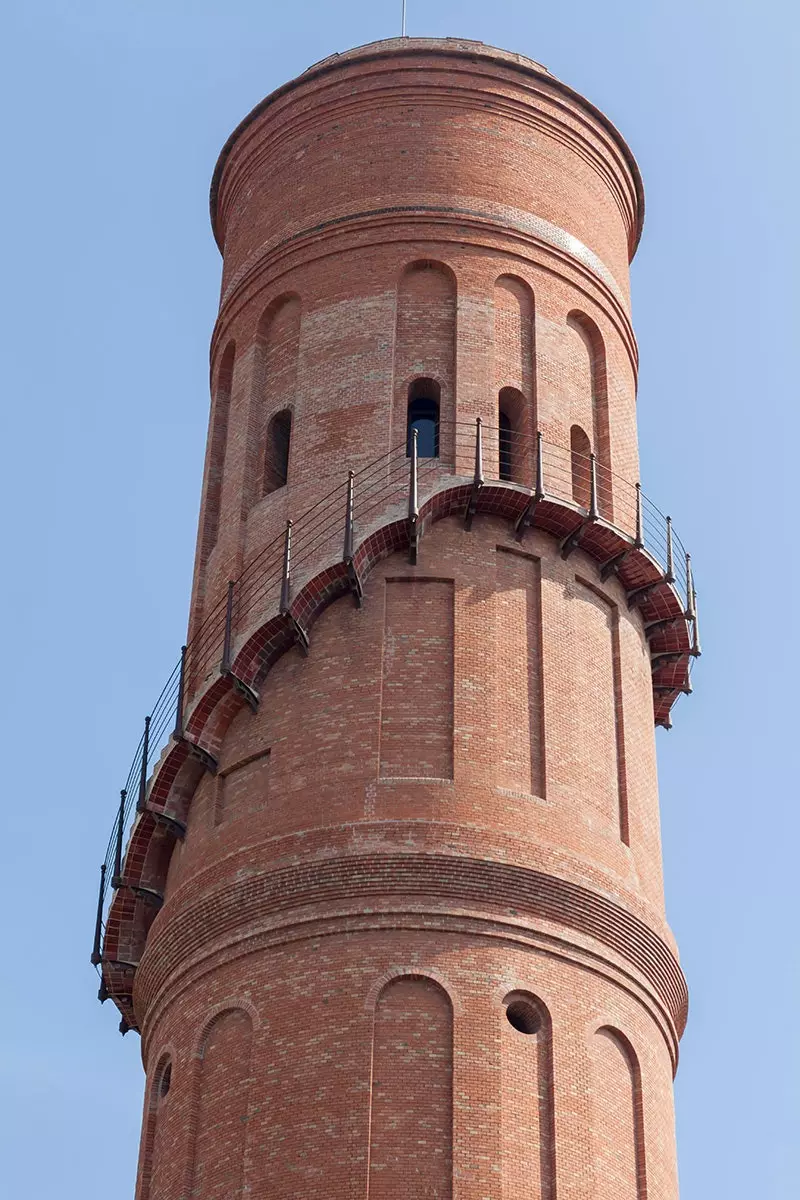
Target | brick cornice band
(510,220)
(428,882)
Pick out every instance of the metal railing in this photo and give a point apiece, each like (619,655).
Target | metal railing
(394,486)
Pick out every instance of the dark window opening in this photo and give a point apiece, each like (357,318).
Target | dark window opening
(506,447)
(524,1017)
(580,452)
(165,1081)
(276,465)
(423,416)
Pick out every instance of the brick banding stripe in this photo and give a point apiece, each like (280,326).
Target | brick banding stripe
(466,882)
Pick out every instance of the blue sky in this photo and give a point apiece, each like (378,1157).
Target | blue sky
(112,118)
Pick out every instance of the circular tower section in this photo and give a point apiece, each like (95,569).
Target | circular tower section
(406,837)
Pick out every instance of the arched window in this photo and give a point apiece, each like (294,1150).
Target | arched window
(594,379)
(276,459)
(514,441)
(580,452)
(423,415)
(506,446)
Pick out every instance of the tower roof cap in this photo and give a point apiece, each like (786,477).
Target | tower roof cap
(463,48)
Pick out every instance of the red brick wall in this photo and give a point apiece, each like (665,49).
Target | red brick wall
(451,802)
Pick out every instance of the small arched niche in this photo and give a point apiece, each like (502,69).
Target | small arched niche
(217,449)
(580,455)
(422,417)
(276,455)
(595,352)
(514,442)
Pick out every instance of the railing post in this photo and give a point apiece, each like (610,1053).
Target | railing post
(538,491)
(98,925)
(690,612)
(594,512)
(116,878)
(143,773)
(177,733)
(696,649)
(349,541)
(638,541)
(526,516)
(413,501)
(670,575)
(478,478)
(225,665)
(349,518)
(287,567)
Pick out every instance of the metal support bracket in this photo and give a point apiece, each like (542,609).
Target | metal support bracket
(572,540)
(654,627)
(250,694)
(663,688)
(413,541)
(612,565)
(354,579)
(172,823)
(203,756)
(300,634)
(641,593)
(149,895)
(666,656)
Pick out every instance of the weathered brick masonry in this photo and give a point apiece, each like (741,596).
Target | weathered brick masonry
(413,942)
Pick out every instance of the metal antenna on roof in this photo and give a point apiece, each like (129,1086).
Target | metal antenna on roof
(403,31)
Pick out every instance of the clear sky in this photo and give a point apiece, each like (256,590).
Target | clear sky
(113,112)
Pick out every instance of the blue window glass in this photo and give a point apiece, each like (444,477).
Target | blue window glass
(423,415)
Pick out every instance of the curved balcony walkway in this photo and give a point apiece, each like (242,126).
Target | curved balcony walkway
(329,553)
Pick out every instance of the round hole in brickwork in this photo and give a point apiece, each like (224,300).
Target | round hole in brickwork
(165,1081)
(523,1016)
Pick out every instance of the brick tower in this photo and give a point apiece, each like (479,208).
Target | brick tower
(385,883)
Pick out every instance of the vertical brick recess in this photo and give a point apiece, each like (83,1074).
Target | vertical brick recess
(618,1140)
(417,692)
(413,942)
(411,1125)
(222,1077)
